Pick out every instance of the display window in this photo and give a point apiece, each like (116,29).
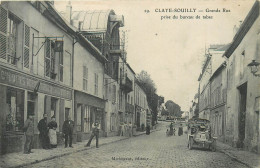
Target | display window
(15,109)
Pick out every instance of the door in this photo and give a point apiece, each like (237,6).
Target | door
(242,114)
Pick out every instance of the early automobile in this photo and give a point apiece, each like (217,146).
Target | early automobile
(199,134)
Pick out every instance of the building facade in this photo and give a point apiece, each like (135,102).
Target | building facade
(89,105)
(218,99)
(243,87)
(36,69)
(141,107)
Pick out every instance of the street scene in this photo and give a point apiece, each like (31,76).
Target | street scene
(160,151)
(130,83)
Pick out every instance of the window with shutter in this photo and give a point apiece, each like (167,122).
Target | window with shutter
(61,65)
(85,78)
(96,84)
(3,32)
(26,56)
(47,58)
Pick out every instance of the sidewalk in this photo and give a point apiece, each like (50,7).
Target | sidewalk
(19,159)
(245,157)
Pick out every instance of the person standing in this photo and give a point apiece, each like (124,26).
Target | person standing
(52,132)
(122,128)
(130,127)
(67,130)
(43,129)
(95,133)
(29,132)
(148,129)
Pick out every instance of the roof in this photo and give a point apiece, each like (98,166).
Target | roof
(223,65)
(244,28)
(96,20)
(84,42)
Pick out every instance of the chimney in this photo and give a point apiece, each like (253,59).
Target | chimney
(68,12)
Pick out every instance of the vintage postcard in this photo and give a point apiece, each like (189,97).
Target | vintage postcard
(130,83)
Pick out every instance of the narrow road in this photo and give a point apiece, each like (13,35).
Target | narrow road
(154,150)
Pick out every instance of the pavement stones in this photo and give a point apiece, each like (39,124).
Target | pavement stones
(19,159)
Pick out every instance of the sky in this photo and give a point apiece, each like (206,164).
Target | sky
(171,50)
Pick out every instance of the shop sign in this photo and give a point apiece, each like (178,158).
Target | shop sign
(27,82)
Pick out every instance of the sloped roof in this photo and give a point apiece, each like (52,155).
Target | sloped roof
(96,20)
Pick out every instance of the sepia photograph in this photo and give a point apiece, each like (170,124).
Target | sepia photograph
(130,83)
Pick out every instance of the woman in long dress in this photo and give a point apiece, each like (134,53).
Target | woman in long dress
(52,132)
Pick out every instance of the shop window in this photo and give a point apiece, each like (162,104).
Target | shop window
(112,122)
(53,107)
(30,104)
(15,110)
(79,117)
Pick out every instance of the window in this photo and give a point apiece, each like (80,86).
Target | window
(15,110)
(96,84)
(85,78)
(106,89)
(112,122)
(120,100)
(61,66)
(12,25)
(114,93)
(9,32)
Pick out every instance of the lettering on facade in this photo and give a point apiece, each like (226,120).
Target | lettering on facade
(24,81)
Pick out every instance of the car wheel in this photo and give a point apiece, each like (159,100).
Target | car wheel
(213,146)
(190,143)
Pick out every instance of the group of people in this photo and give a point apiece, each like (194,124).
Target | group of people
(172,130)
(126,129)
(47,131)
(48,136)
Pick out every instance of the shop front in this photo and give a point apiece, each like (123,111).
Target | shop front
(23,94)
(88,109)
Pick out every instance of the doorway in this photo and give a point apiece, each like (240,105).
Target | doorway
(242,114)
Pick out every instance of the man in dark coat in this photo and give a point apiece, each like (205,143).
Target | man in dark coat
(29,131)
(95,133)
(67,130)
(43,128)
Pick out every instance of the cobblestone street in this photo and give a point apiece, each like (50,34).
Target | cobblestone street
(154,150)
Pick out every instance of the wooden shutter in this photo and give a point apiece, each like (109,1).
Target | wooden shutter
(3,32)
(47,58)
(26,51)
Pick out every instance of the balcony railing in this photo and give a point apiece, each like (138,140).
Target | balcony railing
(129,108)
(126,84)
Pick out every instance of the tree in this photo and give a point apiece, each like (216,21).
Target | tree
(164,112)
(147,84)
(173,109)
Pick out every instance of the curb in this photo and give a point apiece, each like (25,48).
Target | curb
(76,151)
(234,158)
(64,154)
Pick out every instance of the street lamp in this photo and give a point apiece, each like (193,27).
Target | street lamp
(254,67)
